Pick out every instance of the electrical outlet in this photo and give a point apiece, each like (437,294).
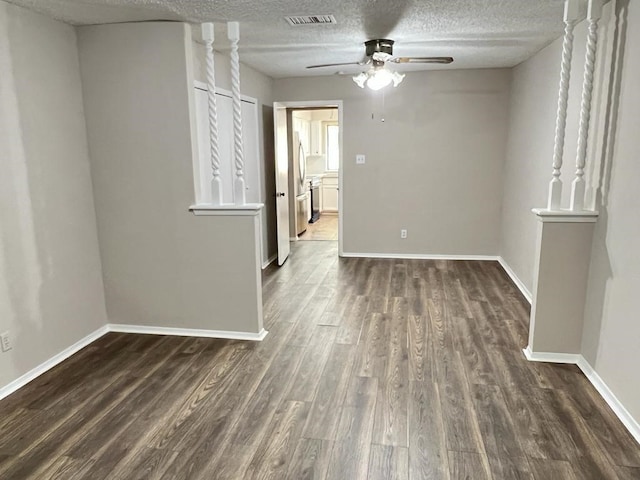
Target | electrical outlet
(403,233)
(5,341)
(360,159)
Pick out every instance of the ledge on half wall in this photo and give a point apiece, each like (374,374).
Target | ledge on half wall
(248,209)
(565,216)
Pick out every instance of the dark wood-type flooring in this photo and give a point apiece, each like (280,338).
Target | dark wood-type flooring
(373,369)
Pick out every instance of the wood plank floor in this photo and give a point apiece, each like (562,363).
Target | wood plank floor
(325,228)
(373,369)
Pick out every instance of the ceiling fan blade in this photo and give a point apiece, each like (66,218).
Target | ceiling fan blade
(335,64)
(443,60)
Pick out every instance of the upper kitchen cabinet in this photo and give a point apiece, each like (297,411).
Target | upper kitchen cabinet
(317,138)
(301,121)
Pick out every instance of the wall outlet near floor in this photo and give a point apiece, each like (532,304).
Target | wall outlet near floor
(360,159)
(5,341)
(403,233)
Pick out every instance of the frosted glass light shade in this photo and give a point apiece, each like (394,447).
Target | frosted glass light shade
(377,78)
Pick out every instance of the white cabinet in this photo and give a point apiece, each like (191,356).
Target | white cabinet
(303,127)
(317,138)
(329,197)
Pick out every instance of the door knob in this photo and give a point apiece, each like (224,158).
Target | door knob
(279,194)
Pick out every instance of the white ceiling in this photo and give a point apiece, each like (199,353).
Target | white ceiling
(477,33)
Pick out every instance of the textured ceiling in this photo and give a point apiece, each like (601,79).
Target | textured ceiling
(477,33)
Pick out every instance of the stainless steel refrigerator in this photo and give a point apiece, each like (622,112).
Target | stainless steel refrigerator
(300,184)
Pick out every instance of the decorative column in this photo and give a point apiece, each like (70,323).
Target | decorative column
(216,182)
(578,185)
(233,32)
(563,252)
(571,12)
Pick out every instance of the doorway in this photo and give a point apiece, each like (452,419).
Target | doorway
(309,193)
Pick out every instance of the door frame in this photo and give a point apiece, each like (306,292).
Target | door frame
(340,105)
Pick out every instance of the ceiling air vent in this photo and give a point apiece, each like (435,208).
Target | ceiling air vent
(311,20)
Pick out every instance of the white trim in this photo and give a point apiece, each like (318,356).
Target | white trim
(565,216)
(420,256)
(248,209)
(514,278)
(134,329)
(339,104)
(52,362)
(269,261)
(622,413)
(630,423)
(341,178)
(571,358)
(187,332)
(221,91)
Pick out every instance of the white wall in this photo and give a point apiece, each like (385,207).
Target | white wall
(162,266)
(51,292)
(259,86)
(434,166)
(611,333)
(611,339)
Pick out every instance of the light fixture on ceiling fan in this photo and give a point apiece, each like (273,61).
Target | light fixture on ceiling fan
(378,53)
(378,77)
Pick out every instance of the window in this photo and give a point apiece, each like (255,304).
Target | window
(333,147)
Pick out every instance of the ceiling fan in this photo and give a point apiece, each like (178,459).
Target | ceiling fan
(379,53)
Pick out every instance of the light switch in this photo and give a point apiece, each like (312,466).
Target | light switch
(360,159)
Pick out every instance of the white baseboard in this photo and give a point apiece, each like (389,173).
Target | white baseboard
(187,332)
(67,352)
(551,357)
(514,278)
(52,362)
(420,256)
(269,261)
(621,412)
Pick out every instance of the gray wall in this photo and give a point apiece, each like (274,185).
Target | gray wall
(611,333)
(51,291)
(434,166)
(527,172)
(611,338)
(162,266)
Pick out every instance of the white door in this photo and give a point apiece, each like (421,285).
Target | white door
(282,180)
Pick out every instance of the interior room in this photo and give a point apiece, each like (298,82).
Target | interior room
(328,240)
(314,164)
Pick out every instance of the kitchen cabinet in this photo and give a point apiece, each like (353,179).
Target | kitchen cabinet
(329,197)
(317,138)
(303,127)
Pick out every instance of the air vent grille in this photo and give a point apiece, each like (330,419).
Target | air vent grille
(299,20)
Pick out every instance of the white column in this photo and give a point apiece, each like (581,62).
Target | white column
(233,32)
(571,12)
(216,182)
(578,185)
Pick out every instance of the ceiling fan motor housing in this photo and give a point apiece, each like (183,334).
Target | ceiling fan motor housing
(382,45)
